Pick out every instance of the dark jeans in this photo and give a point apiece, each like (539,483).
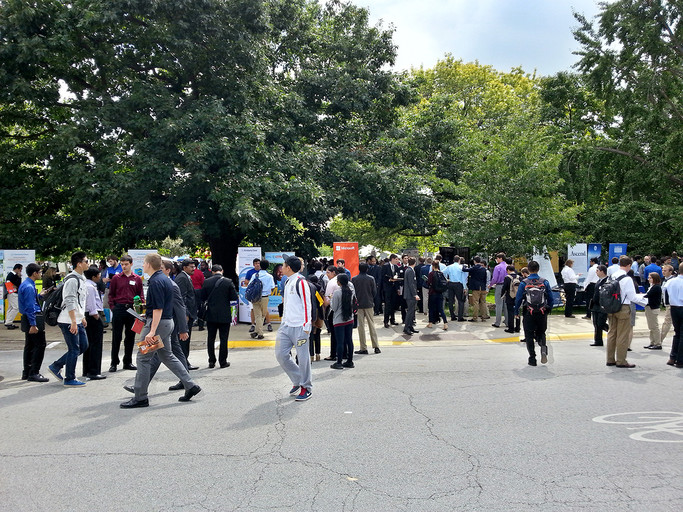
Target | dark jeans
(223,333)
(456,291)
(314,341)
(121,320)
(535,326)
(378,302)
(333,334)
(513,322)
(76,344)
(435,305)
(92,357)
(589,291)
(34,351)
(344,341)
(569,295)
(599,323)
(390,300)
(677,323)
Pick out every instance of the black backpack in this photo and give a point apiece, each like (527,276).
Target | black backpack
(610,295)
(535,297)
(53,306)
(439,282)
(254,289)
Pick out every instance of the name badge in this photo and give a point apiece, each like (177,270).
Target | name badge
(132,283)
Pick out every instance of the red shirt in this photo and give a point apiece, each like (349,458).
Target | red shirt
(197,279)
(121,291)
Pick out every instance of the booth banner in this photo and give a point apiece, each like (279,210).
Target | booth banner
(616,251)
(579,253)
(245,258)
(9,258)
(594,251)
(546,270)
(138,256)
(275,259)
(347,251)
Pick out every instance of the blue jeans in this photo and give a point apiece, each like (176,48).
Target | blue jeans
(76,345)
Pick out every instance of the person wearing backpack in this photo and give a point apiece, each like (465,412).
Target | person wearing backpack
(535,297)
(72,321)
(437,284)
(342,305)
(509,291)
(620,288)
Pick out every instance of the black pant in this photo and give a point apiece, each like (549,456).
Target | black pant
(436,311)
(599,323)
(223,333)
(513,322)
(535,325)
(186,344)
(92,357)
(378,302)
(34,351)
(390,299)
(333,335)
(677,324)
(201,308)
(314,342)
(590,289)
(569,294)
(456,291)
(121,320)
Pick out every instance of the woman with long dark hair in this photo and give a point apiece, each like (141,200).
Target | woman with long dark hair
(342,320)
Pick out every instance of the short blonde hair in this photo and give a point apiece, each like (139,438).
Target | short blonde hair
(153,260)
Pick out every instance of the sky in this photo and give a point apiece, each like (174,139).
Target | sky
(533,34)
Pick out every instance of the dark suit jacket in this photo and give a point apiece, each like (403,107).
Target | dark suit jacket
(179,313)
(365,288)
(409,284)
(386,275)
(187,291)
(218,292)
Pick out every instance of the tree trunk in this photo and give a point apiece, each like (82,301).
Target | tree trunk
(224,252)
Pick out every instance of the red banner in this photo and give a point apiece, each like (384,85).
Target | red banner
(347,251)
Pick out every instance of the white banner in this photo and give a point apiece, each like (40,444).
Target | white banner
(9,258)
(546,270)
(245,258)
(275,259)
(138,256)
(579,253)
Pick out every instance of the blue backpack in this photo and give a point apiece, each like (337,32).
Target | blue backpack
(254,289)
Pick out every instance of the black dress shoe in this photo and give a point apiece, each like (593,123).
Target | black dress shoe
(627,365)
(510,330)
(24,376)
(130,389)
(38,378)
(191,367)
(176,387)
(377,350)
(472,320)
(225,365)
(394,323)
(201,328)
(189,393)
(408,333)
(361,352)
(386,326)
(129,367)
(212,365)
(415,332)
(495,325)
(596,345)
(610,364)
(134,404)
(461,320)
(96,376)
(112,368)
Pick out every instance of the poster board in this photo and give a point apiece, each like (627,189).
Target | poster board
(9,258)
(594,251)
(579,253)
(275,258)
(245,258)
(616,251)
(347,251)
(138,256)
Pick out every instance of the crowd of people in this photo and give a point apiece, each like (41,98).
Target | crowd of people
(178,295)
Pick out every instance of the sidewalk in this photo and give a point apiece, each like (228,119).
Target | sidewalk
(459,333)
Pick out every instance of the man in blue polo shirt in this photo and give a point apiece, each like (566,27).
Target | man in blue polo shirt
(32,324)
(159,322)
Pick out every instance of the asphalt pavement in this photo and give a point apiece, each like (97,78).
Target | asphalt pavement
(440,421)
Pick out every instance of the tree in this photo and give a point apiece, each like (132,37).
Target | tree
(632,62)
(221,120)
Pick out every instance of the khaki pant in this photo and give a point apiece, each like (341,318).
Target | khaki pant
(363,316)
(260,309)
(619,335)
(652,317)
(479,306)
(666,325)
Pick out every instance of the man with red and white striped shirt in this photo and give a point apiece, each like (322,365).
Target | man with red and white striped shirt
(294,330)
